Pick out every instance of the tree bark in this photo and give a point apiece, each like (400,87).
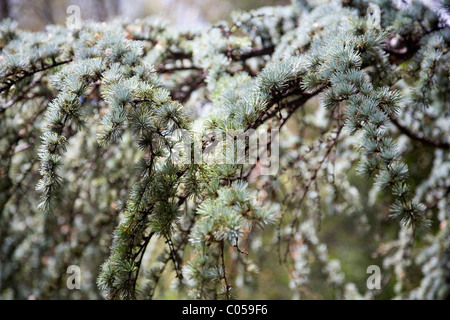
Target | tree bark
(4,9)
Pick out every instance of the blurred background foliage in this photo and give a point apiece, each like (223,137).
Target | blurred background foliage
(345,241)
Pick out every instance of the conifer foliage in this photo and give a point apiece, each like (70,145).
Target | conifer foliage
(91,172)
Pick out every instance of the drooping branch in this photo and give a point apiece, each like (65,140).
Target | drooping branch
(22,74)
(419,137)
